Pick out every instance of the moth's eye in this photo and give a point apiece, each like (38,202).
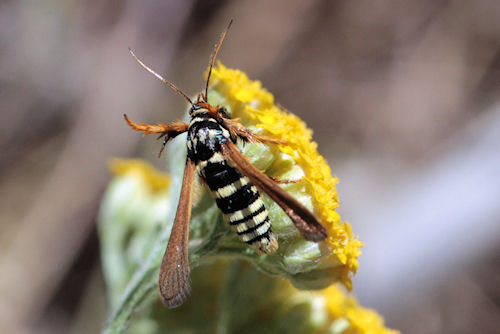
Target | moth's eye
(223,112)
(194,107)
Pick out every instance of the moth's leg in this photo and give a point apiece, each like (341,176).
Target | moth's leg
(166,131)
(171,130)
(281,181)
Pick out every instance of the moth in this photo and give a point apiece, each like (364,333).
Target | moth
(233,181)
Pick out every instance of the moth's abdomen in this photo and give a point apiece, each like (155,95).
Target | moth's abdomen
(240,202)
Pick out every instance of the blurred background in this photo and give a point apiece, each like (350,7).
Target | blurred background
(403,98)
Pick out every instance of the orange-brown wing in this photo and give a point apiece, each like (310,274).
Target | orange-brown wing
(303,219)
(174,272)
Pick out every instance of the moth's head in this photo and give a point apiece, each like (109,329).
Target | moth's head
(204,107)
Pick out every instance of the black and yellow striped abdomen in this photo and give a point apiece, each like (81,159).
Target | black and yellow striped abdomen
(240,202)
(237,198)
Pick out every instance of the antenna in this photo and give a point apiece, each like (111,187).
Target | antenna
(214,55)
(166,82)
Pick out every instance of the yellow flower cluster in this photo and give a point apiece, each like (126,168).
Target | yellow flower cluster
(360,319)
(343,312)
(156,180)
(249,101)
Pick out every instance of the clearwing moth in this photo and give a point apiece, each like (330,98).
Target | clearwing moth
(232,180)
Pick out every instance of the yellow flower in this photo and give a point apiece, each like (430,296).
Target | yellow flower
(154,179)
(255,107)
(347,313)
(138,209)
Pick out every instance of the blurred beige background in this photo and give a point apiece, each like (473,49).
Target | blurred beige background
(403,98)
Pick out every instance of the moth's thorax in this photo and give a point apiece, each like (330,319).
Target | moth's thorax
(205,136)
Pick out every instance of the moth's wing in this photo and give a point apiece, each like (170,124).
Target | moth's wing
(174,283)
(303,219)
